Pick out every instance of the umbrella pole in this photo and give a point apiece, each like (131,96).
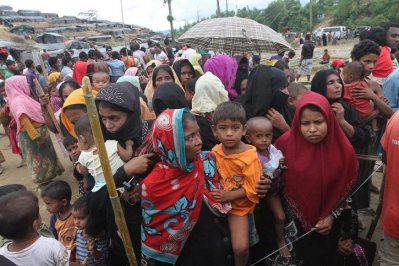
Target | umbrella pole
(49,109)
(109,179)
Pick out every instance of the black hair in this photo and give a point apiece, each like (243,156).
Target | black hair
(18,211)
(6,189)
(388,25)
(69,140)
(191,84)
(134,46)
(83,55)
(115,55)
(308,36)
(57,190)
(28,63)
(123,52)
(311,107)
(66,60)
(10,62)
(295,88)
(83,127)
(91,53)
(71,83)
(108,48)
(291,54)
(187,116)
(81,204)
(150,43)
(376,34)
(256,59)
(363,48)
(166,41)
(142,48)
(39,69)
(229,110)
(282,65)
(356,69)
(165,68)
(157,45)
(53,61)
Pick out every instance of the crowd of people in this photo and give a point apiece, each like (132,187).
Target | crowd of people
(219,160)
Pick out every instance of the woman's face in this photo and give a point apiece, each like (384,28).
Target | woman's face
(368,61)
(162,77)
(313,126)
(150,70)
(67,91)
(185,74)
(74,115)
(192,139)
(334,87)
(113,120)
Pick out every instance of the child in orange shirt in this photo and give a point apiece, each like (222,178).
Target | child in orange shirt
(240,170)
(353,77)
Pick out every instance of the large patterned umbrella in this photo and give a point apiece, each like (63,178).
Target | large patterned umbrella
(234,35)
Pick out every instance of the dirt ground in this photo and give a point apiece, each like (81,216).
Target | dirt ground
(11,174)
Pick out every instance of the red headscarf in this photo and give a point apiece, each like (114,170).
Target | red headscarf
(172,194)
(319,176)
(80,70)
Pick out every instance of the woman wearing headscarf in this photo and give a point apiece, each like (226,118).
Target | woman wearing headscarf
(168,96)
(54,77)
(82,69)
(131,71)
(178,191)
(267,95)
(33,137)
(209,93)
(196,60)
(319,180)
(242,74)
(119,109)
(184,71)
(146,114)
(225,68)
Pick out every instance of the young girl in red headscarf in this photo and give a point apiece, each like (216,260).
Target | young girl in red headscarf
(322,170)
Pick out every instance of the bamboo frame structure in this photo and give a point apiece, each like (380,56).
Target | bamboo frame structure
(109,179)
(49,109)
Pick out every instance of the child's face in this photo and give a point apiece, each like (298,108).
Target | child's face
(74,151)
(313,126)
(54,93)
(80,218)
(53,205)
(260,135)
(100,81)
(229,132)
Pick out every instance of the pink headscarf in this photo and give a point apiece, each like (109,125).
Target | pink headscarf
(225,68)
(21,102)
(131,71)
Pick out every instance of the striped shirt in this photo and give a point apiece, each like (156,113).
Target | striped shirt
(82,252)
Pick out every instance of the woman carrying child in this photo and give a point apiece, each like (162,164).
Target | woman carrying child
(33,137)
(325,172)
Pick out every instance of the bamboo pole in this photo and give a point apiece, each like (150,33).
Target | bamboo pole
(109,179)
(45,74)
(49,109)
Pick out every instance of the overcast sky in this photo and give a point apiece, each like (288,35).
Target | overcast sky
(148,13)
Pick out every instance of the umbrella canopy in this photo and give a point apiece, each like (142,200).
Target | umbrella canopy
(234,35)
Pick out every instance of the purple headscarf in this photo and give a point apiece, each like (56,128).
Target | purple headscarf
(225,68)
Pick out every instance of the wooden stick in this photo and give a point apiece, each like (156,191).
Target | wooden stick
(109,179)
(377,215)
(45,74)
(368,157)
(49,109)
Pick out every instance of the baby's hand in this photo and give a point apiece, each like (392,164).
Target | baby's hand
(281,163)
(219,195)
(129,143)
(91,244)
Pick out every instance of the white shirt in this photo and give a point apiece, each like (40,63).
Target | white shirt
(91,161)
(43,252)
(187,54)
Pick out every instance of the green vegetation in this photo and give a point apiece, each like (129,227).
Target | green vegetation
(290,14)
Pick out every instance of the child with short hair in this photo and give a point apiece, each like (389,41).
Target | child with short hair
(260,135)
(20,220)
(353,77)
(57,197)
(89,250)
(100,80)
(295,92)
(89,160)
(240,170)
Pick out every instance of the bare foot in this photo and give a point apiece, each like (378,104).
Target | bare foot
(284,252)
